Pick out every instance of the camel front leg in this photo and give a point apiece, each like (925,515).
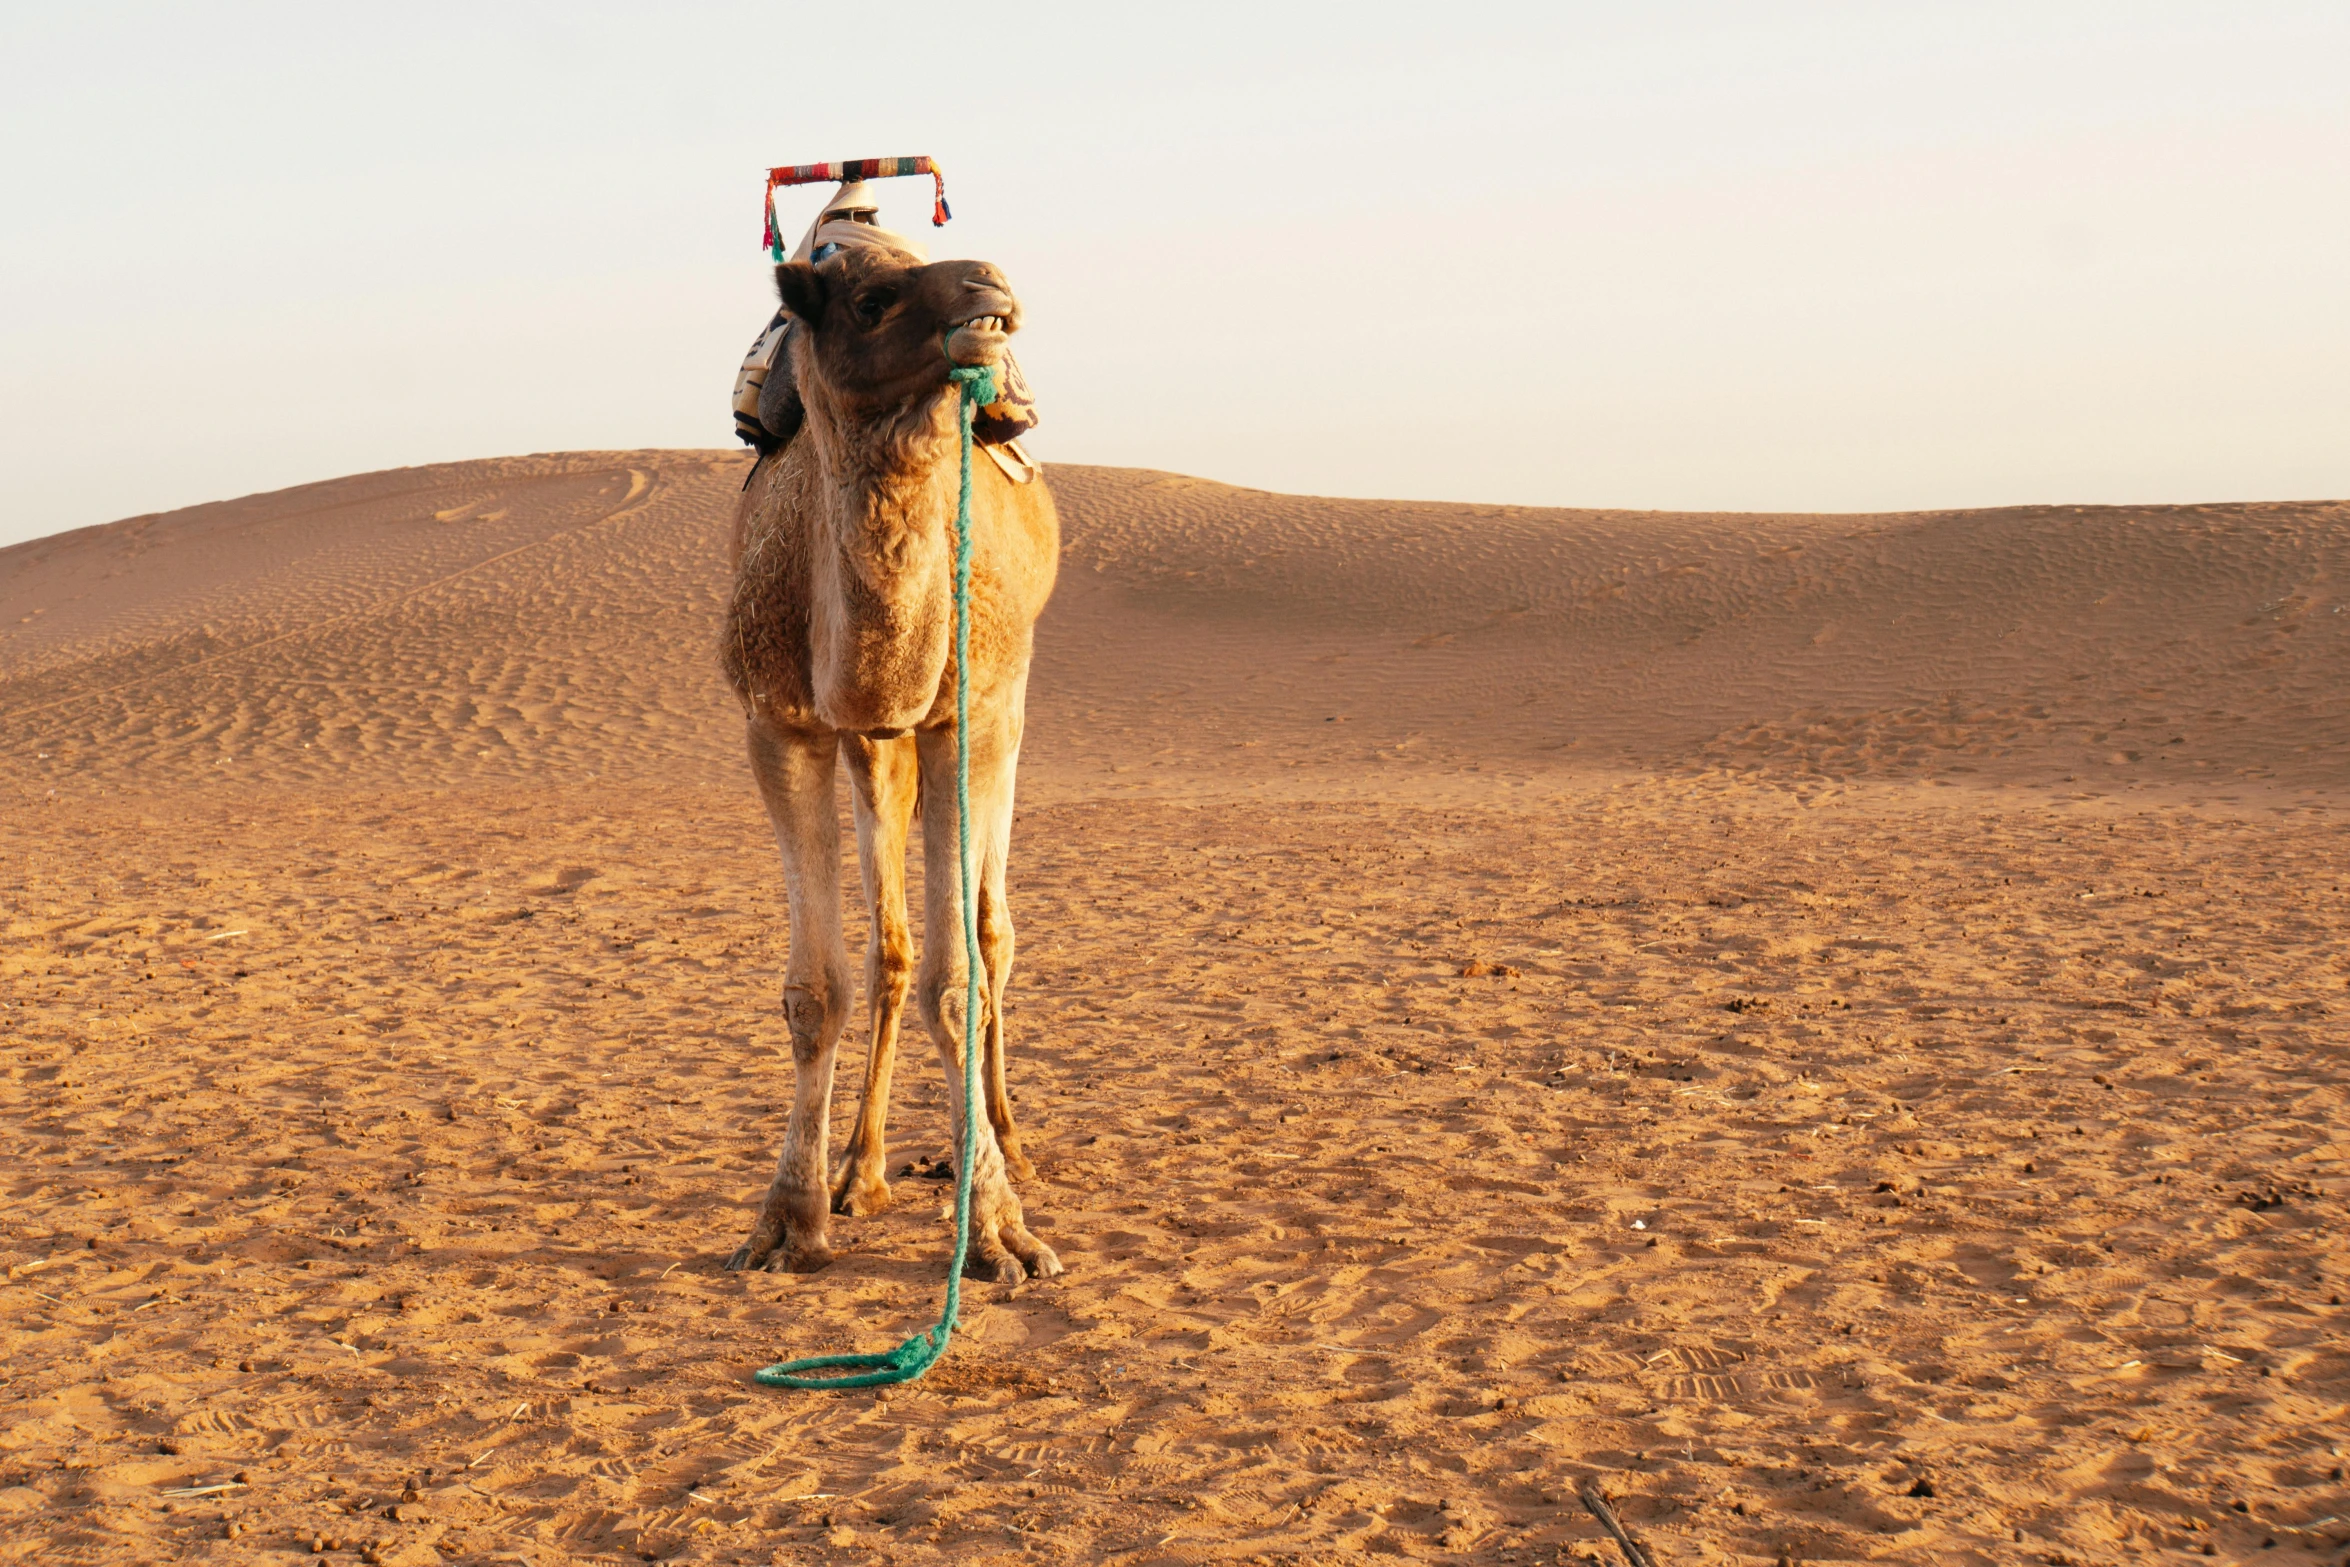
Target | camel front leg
(885,778)
(794,772)
(1002,1247)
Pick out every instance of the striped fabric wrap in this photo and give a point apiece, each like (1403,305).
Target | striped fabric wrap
(848,169)
(851,169)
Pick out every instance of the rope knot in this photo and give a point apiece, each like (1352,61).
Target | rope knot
(915,1355)
(977,381)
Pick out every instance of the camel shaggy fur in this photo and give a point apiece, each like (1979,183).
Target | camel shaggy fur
(839,642)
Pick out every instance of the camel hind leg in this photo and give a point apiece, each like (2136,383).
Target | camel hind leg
(884,779)
(1001,1243)
(794,773)
(995,949)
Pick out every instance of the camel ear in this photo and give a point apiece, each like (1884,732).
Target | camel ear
(801,290)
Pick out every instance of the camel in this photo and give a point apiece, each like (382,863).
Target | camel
(839,643)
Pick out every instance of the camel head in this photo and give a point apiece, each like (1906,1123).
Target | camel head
(880,327)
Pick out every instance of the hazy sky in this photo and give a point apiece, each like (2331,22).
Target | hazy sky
(1753,256)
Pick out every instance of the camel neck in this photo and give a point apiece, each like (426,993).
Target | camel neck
(895,496)
(884,577)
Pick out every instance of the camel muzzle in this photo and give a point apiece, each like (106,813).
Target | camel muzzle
(979,339)
(986,318)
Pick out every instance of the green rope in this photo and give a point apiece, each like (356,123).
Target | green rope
(918,1354)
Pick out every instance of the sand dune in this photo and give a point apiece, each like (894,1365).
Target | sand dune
(552,616)
(2145,644)
(1831,1027)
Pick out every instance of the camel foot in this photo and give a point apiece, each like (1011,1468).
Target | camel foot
(1001,1270)
(1002,1248)
(1041,1260)
(771,1249)
(860,1193)
(798,1259)
(804,1259)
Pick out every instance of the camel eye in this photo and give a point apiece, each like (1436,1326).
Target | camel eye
(872,307)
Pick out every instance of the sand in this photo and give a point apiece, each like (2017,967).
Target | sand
(1831,1028)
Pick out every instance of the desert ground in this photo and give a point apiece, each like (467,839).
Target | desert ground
(1830,1028)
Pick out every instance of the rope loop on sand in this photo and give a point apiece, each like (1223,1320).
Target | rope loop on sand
(977,383)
